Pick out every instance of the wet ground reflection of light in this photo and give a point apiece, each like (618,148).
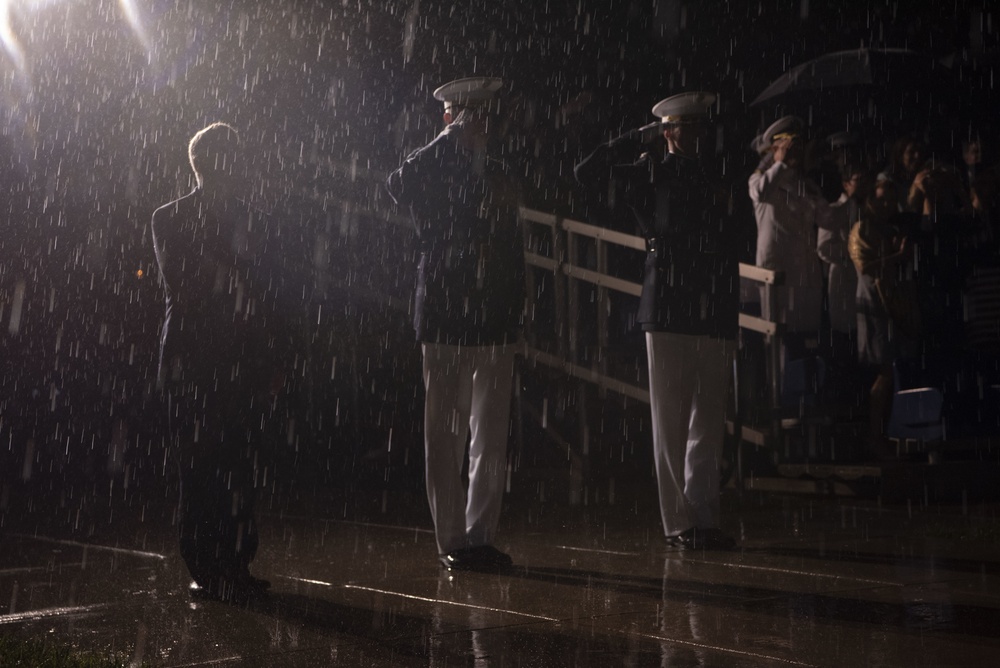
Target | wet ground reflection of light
(44,613)
(93,546)
(425,599)
(440,601)
(725,650)
(804,573)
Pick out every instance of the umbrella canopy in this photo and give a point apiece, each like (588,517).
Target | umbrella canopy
(857,67)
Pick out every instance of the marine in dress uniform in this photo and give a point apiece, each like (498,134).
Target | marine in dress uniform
(689,303)
(468,311)
(789,208)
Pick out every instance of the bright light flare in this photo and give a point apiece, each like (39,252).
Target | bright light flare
(7,37)
(31,5)
(12,45)
(134,18)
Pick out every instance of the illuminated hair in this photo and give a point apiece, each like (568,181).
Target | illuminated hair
(206,146)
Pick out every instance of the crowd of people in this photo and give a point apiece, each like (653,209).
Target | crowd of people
(908,249)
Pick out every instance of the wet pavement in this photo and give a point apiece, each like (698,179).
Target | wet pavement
(817,582)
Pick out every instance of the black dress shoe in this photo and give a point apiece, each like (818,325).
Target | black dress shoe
(480,558)
(702,538)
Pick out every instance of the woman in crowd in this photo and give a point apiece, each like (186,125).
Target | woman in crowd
(888,315)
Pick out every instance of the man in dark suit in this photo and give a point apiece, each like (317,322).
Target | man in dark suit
(221,361)
(467,314)
(689,304)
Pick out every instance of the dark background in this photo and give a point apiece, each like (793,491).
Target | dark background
(98,101)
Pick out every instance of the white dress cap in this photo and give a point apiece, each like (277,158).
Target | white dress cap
(471,90)
(678,108)
(784,125)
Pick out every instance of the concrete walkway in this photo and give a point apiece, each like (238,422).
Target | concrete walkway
(816,583)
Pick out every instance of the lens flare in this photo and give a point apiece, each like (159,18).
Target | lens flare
(12,46)
(8,38)
(134,18)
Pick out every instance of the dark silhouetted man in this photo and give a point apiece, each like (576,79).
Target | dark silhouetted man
(220,361)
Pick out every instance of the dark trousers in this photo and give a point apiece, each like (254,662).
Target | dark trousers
(218,438)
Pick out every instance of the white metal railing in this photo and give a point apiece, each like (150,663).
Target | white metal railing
(564,265)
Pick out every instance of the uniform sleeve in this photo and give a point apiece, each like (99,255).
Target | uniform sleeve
(763,183)
(619,175)
(400,183)
(616,159)
(408,187)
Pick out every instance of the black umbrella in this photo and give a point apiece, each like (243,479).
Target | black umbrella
(888,90)
(895,68)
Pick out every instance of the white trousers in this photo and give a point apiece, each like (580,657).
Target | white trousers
(688,382)
(468,389)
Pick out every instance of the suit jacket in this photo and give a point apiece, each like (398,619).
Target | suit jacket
(222,326)
(470,277)
(691,274)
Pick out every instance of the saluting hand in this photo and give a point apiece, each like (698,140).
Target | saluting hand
(781,147)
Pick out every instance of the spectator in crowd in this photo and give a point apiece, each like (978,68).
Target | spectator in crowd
(937,190)
(888,315)
(982,185)
(841,277)
(906,160)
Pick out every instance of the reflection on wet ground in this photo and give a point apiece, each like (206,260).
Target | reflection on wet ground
(816,583)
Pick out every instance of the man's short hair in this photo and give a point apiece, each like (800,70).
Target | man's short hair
(208,144)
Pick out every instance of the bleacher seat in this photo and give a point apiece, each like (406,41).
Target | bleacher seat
(916,412)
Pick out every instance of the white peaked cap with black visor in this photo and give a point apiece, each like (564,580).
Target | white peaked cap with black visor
(685,107)
(467,92)
(783,128)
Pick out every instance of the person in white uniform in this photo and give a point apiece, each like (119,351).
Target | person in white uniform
(789,208)
(468,310)
(689,303)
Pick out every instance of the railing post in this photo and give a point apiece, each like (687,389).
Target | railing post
(603,305)
(768,308)
(573,298)
(559,289)
(529,283)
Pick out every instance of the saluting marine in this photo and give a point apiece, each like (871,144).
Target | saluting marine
(790,208)
(468,311)
(689,303)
